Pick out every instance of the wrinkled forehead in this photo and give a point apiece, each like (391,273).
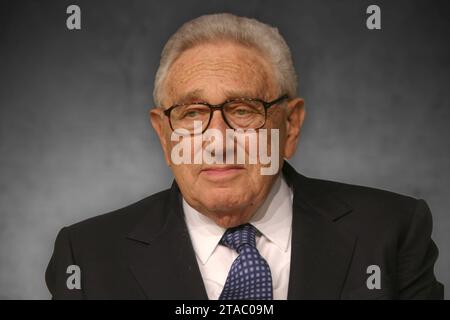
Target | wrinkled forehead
(219,72)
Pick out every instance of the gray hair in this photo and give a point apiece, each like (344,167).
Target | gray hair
(225,26)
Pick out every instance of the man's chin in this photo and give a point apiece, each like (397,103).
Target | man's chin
(228,216)
(221,204)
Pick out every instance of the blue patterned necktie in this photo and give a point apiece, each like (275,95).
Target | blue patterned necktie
(249,276)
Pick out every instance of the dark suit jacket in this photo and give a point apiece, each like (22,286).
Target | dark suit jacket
(143,251)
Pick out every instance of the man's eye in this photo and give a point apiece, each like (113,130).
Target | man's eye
(194,113)
(191,114)
(242,111)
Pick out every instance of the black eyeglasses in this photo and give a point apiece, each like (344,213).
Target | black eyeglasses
(241,113)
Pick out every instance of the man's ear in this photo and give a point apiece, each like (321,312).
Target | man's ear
(294,122)
(157,119)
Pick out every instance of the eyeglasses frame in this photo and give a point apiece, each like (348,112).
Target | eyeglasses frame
(214,107)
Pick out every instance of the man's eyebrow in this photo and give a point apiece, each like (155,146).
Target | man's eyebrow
(194,95)
(234,94)
(199,94)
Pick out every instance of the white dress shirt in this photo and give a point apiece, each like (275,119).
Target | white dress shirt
(274,222)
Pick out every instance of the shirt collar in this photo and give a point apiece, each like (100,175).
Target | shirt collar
(204,232)
(273,219)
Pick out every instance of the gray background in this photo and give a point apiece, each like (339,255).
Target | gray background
(75,140)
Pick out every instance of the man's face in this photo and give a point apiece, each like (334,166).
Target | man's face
(214,72)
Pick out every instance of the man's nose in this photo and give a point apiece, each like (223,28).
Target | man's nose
(217,121)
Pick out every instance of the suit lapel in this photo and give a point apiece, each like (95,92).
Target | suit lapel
(161,256)
(321,252)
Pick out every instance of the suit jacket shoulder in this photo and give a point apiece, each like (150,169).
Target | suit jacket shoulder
(118,223)
(96,246)
(392,232)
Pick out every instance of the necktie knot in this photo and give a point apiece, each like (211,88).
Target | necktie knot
(236,238)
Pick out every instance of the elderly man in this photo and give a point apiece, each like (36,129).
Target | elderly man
(248,226)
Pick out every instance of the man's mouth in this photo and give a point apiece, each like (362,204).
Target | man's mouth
(220,172)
